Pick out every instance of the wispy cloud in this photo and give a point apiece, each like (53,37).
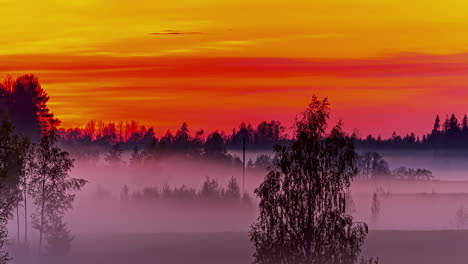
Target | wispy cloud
(137,98)
(175,32)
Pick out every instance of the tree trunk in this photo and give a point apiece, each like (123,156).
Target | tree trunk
(41,230)
(25,214)
(18,222)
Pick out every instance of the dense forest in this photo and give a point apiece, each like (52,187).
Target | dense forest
(98,136)
(452,134)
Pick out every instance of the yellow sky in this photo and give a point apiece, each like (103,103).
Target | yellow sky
(335,28)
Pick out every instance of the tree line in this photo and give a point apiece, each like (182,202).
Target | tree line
(131,133)
(451,134)
(371,165)
(210,192)
(99,137)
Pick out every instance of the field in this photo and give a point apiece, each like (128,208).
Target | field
(392,247)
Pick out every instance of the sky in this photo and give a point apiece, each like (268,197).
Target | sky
(384,65)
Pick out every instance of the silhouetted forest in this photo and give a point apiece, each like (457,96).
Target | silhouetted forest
(97,137)
(26,103)
(131,134)
(451,134)
(113,139)
(371,165)
(210,192)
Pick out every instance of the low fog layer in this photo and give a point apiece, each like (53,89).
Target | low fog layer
(99,207)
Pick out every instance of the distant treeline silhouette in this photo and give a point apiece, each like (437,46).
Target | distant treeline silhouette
(450,135)
(210,192)
(128,134)
(113,139)
(372,166)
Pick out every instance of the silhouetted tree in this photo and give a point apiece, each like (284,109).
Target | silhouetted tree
(28,107)
(263,161)
(464,129)
(182,137)
(436,128)
(12,158)
(350,205)
(214,146)
(375,207)
(114,156)
(369,261)
(124,194)
(232,192)
(52,186)
(372,165)
(210,190)
(182,193)
(136,158)
(268,133)
(302,198)
(58,238)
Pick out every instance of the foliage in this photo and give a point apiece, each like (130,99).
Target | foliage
(369,261)
(461,217)
(58,238)
(375,207)
(52,187)
(12,157)
(263,161)
(210,192)
(232,192)
(114,156)
(302,198)
(371,165)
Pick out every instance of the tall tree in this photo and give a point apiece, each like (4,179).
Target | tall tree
(28,106)
(11,163)
(52,186)
(214,146)
(302,198)
(453,132)
(114,156)
(436,128)
(464,129)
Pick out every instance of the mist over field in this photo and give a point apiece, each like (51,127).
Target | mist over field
(102,220)
(99,207)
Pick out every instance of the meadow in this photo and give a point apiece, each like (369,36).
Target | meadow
(392,247)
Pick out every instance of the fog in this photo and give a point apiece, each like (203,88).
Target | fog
(99,206)
(404,205)
(101,217)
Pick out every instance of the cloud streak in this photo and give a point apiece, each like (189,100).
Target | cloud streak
(175,32)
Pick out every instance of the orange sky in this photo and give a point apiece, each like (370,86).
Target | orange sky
(385,65)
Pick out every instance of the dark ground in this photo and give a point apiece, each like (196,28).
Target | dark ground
(392,247)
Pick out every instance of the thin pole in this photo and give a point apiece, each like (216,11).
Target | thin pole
(18,221)
(243,166)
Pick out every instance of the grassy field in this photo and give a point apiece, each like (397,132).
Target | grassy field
(392,247)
